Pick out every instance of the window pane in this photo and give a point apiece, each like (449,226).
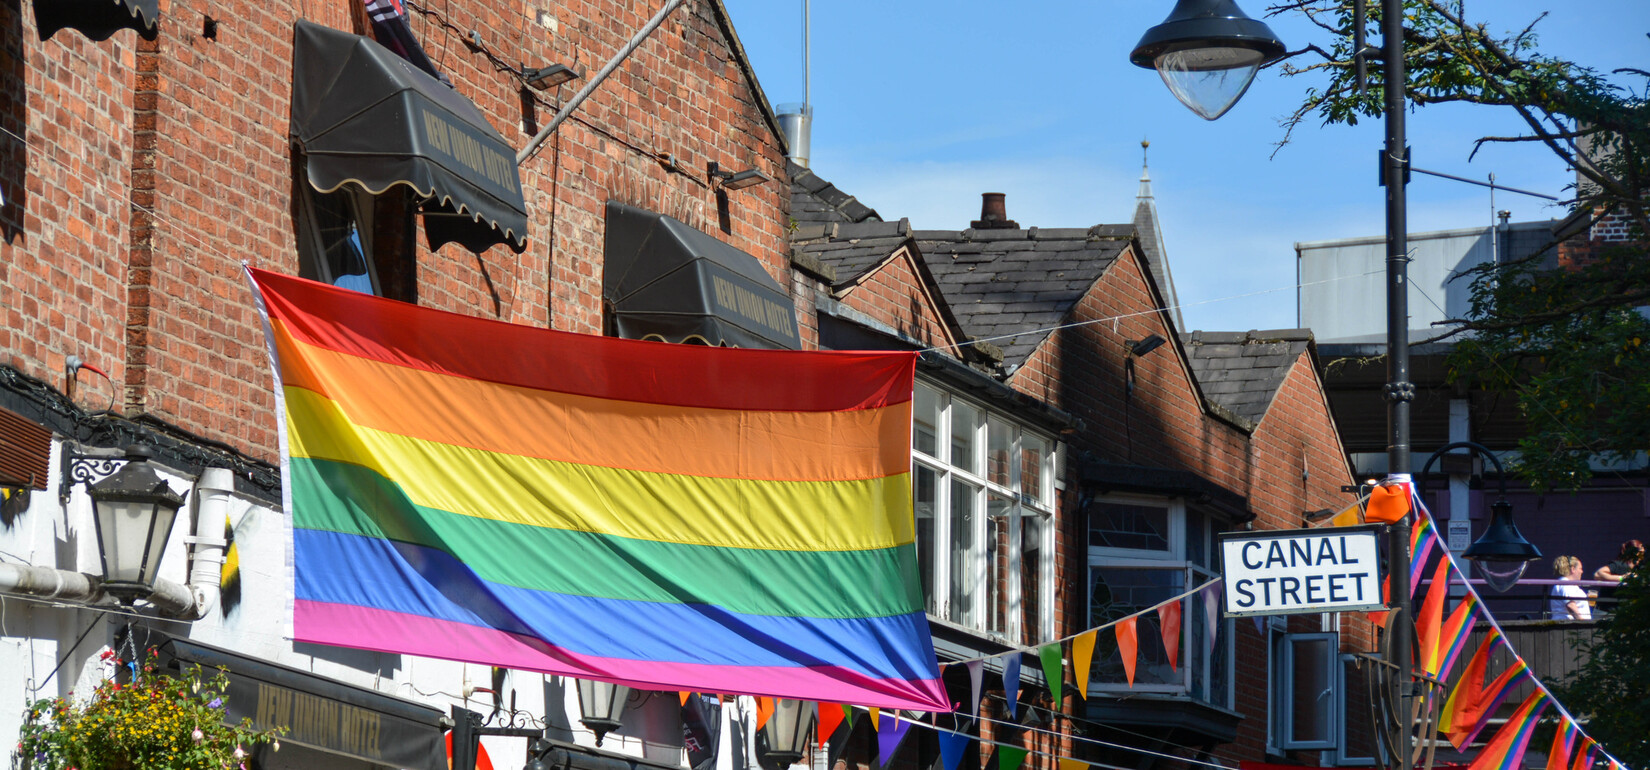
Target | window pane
(926,419)
(999,557)
(1116,592)
(999,443)
(965,422)
(1034,484)
(966,570)
(926,492)
(1032,527)
(1312,707)
(1118,525)
(1197,551)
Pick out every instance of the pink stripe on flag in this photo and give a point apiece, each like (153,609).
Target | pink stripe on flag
(360,627)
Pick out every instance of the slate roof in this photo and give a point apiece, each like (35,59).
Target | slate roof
(999,282)
(1242,371)
(851,248)
(815,201)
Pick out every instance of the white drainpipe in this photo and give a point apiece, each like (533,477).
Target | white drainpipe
(206,562)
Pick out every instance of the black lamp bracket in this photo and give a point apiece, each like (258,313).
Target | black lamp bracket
(88,469)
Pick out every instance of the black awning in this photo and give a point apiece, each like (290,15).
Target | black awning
(321,713)
(667,281)
(365,116)
(96,19)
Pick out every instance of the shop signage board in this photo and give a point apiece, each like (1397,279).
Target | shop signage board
(1290,572)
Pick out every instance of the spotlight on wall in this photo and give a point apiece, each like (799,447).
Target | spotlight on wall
(736,180)
(549,77)
(1147,345)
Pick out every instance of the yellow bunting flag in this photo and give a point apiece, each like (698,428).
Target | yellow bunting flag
(876,716)
(1350,517)
(1067,763)
(1082,653)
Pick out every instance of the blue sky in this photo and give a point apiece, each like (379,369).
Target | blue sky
(921,105)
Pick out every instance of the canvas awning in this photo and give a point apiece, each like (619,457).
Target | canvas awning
(664,280)
(96,19)
(364,116)
(322,714)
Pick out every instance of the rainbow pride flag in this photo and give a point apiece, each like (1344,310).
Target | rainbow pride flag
(1506,750)
(671,517)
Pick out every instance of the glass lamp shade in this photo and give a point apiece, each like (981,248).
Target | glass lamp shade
(601,705)
(134,510)
(1502,553)
(1207,53)
(787,730)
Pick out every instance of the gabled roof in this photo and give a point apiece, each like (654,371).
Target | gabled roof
(851,248)
(815,201)
(1013,286)
(1241,372)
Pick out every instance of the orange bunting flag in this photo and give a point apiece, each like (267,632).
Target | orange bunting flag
(1379,617)
(1082,653)
(1430,620)
(683,696)
(1067,763)
(1387,503)
(1168,617)
(1128,645)
(830,717)
(764,709)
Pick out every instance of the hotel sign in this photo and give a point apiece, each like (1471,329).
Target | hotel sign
(1293,572)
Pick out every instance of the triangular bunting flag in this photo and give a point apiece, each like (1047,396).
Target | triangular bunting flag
(876,718)
(1053,672)
(891,731)
(848,715)
(1430,620)
(830,717)
(1168,619)
(1211,613)
(683,696)
(1379,617)
(1584,754)
(976,676)
(952,746)
(1350,517)
(1564,743)
(1127,645)
(764,710)
(1260,625)
(1082,655)
(1011,682)
(1010,757)
(1454,638)
(1506,750)
(1067,763)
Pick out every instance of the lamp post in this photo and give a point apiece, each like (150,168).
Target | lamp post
(1501,553)
(1220,27)
(133,510)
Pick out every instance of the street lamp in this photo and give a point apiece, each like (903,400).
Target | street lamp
(133,510)
(1501,553)
(1222,16)
(787,730)
(1207,52)
(601,706)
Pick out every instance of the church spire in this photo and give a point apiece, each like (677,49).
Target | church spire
(1150,234)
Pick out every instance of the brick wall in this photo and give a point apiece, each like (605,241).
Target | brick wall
(894,295)
(193,131)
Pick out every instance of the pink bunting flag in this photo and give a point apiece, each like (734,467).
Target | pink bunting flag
(1168,618)
(1211,612)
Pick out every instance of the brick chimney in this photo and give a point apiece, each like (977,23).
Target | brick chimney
(993,214)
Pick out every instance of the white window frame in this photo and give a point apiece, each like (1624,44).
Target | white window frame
(1176,557)
(1018,506)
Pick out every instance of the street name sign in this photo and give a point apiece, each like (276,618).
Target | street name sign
(1289,572)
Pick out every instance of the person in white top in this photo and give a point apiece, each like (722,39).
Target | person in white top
(1568,601)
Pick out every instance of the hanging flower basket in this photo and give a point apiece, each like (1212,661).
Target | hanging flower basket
(154,722)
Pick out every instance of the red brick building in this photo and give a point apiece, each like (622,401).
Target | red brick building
(1075,452)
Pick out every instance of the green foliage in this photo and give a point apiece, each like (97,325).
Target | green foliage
(154,722)
(1611,691)
(1568,345)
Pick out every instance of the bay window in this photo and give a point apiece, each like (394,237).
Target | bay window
(984,492)
(1143,551)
